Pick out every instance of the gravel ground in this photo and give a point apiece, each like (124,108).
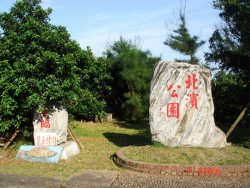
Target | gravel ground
(129,179)
(105,178)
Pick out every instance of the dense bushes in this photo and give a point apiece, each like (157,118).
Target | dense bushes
(41,66)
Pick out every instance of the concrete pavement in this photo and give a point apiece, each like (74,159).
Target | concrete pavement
(104,178)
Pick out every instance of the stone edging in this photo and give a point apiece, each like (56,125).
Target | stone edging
(181,170)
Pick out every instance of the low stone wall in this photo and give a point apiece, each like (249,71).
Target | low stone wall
(180,170)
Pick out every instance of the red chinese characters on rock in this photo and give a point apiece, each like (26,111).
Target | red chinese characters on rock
(191,82)
(192,100)
(45,139)
(192,97)
(173,108)
(173,92)
(45,120)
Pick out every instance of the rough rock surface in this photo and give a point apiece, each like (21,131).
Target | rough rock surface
(181,107)
(70,149)
(49,123)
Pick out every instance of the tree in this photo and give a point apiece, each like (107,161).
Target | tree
(95,87)
(230,50)
(230,43)
(40,66)
(131,69)
(183,42)
(94,74)
(228,94)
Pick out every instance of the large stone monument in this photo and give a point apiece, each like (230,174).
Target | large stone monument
(181,107)
(50,128)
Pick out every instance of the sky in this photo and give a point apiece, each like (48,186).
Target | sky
(98,23)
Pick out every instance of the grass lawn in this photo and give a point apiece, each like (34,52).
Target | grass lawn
(231,155)
(102,140)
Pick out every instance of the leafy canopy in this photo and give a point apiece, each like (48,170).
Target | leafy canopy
(94,87)
(230,50)
(40,66)
(230,43)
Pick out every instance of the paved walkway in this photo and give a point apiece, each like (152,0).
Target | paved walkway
(103,178)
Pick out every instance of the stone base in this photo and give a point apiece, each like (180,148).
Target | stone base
(70,149)
(107,117)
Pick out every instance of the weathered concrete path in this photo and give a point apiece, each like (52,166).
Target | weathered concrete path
(103,178)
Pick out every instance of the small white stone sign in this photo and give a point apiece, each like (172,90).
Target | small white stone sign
(48,125)
(181,106)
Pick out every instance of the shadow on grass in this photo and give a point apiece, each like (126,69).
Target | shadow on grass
(123,140)
(138,125)
(240,135)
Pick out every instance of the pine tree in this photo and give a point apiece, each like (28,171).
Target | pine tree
(183,42)
(131,69)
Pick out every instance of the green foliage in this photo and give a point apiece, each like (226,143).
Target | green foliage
(40,66)
(230,43)
(94,87)
(131,69)
(94,75)
(89,103)
(230,50)
(183,42)
(87,106)
(225,87)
